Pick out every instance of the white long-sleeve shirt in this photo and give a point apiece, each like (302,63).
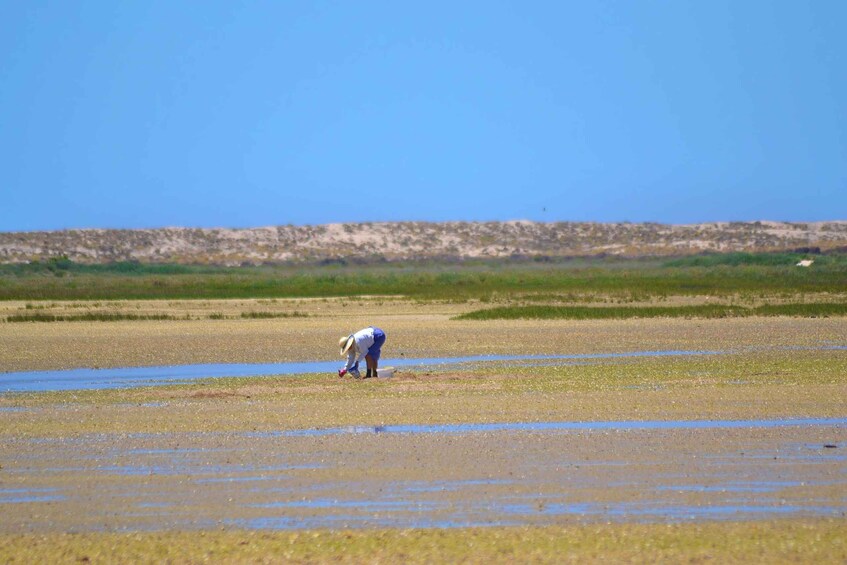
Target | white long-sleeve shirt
(362,342)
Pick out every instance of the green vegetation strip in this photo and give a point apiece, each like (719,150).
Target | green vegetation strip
(719,275)
(117,316)
(88,317)
(265,315)
(737,259)
(539,312)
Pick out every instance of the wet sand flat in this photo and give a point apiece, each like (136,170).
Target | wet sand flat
(414,330)
(755,385)
(796,541)
(141,482)
(315,457)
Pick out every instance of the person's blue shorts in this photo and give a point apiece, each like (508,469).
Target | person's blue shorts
(376,349)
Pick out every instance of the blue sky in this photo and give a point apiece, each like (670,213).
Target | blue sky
(237,114)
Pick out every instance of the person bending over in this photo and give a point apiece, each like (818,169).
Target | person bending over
(365,343)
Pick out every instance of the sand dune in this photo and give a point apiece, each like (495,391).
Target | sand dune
(414,240)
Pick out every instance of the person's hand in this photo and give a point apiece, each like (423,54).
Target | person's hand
(341,372)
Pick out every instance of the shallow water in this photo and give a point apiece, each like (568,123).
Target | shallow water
(28,495)
(560,426)
(520,473)
(127,377)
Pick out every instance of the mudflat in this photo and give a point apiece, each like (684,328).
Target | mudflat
(415,330)
(735,456)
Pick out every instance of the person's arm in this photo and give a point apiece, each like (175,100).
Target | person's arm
(351,358)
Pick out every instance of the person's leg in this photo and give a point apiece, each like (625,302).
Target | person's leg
(371,366)
(376,349)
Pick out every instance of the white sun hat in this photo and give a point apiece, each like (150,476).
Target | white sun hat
(345,343)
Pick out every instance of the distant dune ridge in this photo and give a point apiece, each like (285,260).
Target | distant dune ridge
(395,241)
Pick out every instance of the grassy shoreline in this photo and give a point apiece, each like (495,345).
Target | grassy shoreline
(720,276)
(522,312)
(545,312)
(95,316)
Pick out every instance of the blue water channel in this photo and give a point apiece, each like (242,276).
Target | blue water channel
(128,377)
(556,426)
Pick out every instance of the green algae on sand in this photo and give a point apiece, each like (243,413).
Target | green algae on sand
(783,541)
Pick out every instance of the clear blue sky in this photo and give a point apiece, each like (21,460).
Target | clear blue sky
(153,113)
